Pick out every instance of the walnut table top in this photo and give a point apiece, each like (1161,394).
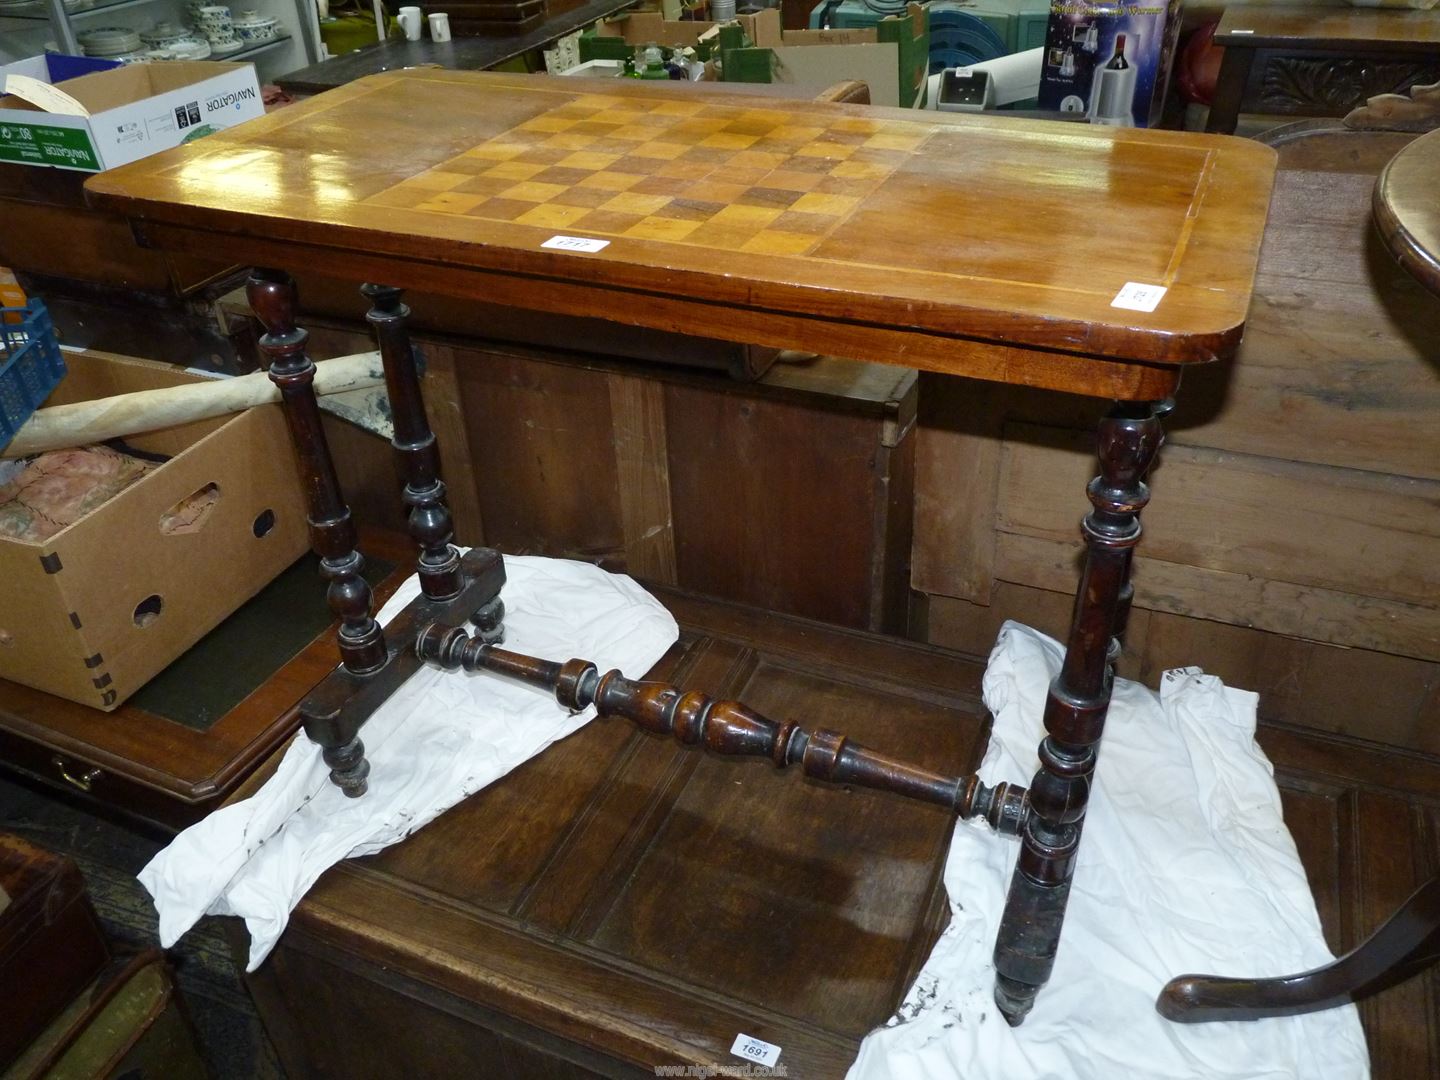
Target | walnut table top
(933,240)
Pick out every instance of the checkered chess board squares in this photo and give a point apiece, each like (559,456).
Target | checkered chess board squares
(756,180)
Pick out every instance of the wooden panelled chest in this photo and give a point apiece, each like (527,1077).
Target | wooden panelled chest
(622,901)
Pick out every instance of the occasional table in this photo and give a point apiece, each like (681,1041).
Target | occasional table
(1308,61)
(1097,262)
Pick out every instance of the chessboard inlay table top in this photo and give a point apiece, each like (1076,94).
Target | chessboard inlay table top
(995,230)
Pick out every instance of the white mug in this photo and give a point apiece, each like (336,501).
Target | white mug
(409,20)
(439,26)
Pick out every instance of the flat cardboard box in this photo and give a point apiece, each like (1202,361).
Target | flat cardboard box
(102,606)
(134,111)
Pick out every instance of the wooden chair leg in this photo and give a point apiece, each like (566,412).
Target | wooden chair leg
(1406,944)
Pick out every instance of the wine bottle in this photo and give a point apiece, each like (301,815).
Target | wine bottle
(1118,61)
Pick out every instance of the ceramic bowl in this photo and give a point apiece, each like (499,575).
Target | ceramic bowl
(251,26)
(213,18)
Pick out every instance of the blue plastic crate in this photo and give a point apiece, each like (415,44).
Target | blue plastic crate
(31,364)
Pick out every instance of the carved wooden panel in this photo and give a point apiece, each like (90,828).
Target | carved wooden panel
(1331,84)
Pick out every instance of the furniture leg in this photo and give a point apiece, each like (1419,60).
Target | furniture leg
(415,449)
(1229,91)
(1075,711)
(1403,946)
(332,533)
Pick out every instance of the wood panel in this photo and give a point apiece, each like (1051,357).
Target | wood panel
(1389,699)
(780,507)
(1346,619)
(637,409)
(1347,530)
(676,476)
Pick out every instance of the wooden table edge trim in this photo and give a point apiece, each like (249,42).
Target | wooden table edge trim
(1074,372)
(1226,36)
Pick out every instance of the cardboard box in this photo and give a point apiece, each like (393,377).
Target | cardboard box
(126,113)
(103,605)
(615,39)
(1110,60)
(892,56)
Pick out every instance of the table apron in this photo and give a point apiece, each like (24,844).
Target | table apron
(1075,373)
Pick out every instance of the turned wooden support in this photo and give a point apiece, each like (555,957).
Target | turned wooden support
(332,533)
(1079,698)
(415,446)
(728,727)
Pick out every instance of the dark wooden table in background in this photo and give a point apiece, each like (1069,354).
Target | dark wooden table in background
(1319,61)
(460,53)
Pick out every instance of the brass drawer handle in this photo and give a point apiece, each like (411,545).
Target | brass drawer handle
(85,781)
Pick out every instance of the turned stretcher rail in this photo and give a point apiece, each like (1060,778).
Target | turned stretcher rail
(728,727)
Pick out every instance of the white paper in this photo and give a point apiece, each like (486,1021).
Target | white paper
(749,1048)
(1186,867)
(1137,296)
(440,737)
(575,243)
(44,96)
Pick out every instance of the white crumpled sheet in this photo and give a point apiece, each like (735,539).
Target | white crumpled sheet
(1186,867)
(441,737)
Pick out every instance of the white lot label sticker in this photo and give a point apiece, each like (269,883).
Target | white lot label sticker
(575,243)
(757,1050)
(1138,297)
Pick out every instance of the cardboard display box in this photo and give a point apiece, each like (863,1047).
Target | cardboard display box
(1109,59)
(110,118)
(96,610)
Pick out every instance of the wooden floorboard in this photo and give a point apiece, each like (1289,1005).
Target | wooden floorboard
(1366,821)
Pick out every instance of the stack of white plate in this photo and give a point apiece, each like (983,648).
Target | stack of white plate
(111,42)
(193,48)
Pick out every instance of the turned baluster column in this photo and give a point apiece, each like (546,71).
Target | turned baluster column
(1075,711)
(415,446)
(332,533)
(418,454)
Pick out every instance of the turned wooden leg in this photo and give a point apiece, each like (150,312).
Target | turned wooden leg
(1075,712)
(1406,944)
(415,448)
(332,533)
